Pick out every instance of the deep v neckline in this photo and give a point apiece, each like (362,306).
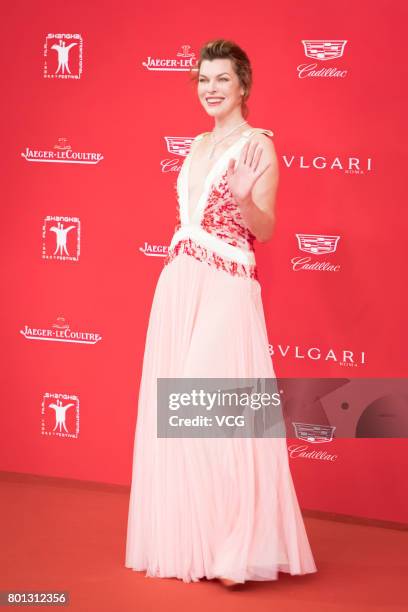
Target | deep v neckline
(188,216)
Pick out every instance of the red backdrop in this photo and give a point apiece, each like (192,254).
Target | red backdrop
(91,150)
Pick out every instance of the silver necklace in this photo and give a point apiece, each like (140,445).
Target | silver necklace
(215,142)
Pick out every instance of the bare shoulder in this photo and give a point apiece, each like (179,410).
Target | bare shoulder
(200,136)
(264,131)
(264,137)
(195,143)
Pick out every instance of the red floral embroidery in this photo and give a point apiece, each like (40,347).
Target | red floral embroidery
(221,218)
(190,247)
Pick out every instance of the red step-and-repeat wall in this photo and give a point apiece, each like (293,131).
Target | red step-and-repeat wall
(98,114)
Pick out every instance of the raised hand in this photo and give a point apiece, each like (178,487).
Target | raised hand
(243,175)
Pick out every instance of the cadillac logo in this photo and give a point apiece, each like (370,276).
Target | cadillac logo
(324,49)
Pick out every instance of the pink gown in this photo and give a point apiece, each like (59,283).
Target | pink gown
(210,507)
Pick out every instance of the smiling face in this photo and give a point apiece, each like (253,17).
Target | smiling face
(219,89)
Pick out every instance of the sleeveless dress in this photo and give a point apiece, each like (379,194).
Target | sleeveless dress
(210,507)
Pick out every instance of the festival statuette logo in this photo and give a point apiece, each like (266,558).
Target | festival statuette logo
(63,56)
(62,153)
(322,50)
(315,244)
(347,164)
(60,415)
(60,331)
(61,238)
(182,62)
(346,358)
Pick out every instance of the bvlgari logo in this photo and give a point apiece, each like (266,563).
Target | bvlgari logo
(342,357)
(60,415)
(154,250)
(63,56)
(182,62)
(345,164)
(60,331)
(61,238)
(322,50)
(176,145)
(62,153)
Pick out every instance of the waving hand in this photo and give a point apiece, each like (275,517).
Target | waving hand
(242,175)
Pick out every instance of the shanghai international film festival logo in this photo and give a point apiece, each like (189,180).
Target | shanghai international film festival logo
(60,331)
(63,56)
(181,63)
(61,238)
(60,415)
(62,153)
(322,51)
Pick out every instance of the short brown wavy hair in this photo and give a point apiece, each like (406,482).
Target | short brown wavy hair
(227,49)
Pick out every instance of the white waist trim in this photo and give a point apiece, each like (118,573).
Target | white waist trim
(215,244)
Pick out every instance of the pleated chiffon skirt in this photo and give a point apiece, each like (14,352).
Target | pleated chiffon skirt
(209,507)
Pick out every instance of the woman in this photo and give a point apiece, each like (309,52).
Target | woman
(215,507)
